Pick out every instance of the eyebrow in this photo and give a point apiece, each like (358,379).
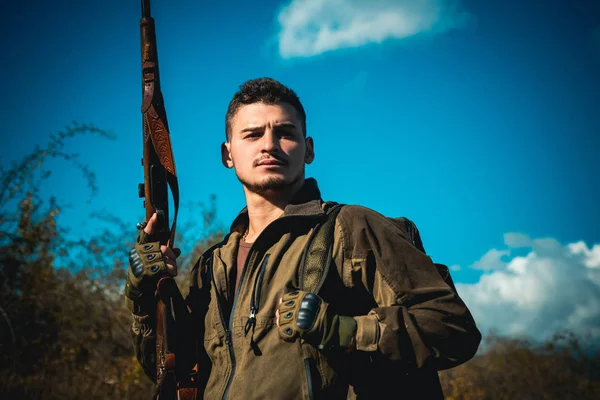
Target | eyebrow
(255,128)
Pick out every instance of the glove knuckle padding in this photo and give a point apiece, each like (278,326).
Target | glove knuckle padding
(307,314)
(136,264)
(146,263)
(298,314)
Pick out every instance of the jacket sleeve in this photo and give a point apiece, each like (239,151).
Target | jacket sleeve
(143,327)
(143,336)
(419,319)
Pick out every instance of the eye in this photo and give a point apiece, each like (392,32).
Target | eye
(253,135)
(285,133)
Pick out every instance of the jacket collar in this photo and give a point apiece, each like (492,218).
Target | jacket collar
(306,203)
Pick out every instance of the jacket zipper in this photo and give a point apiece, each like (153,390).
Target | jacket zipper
(227,330)
(251,257)
(255,300)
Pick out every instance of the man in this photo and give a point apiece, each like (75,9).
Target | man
(383,322)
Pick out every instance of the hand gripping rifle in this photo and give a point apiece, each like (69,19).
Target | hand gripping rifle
(174,377)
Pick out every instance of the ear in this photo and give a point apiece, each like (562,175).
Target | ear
(310,150)
(226,155)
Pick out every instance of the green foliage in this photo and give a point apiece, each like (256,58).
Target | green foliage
(64,327)
(560,368)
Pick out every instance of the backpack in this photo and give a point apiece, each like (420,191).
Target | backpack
(316,258)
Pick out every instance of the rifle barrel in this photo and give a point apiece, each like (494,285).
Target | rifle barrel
(146,9)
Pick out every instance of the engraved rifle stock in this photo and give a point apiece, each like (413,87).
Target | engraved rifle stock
(174,379)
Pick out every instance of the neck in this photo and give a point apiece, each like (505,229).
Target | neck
(265,208)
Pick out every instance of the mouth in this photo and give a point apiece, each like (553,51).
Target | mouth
(270,162)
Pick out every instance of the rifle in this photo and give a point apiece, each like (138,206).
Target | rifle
(174,377)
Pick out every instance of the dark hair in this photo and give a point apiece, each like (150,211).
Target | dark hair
(267,91)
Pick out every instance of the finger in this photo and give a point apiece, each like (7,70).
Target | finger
(277,314)
(292,295)
(169,257)
(171,267)
(286,306)
(169,252)
(149,229)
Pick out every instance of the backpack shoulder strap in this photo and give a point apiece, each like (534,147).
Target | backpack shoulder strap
(316,258)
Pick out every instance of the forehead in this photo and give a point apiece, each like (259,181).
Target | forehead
(261,114)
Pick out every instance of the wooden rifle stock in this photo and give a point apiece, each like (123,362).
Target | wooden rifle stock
(174,379)
(158,161)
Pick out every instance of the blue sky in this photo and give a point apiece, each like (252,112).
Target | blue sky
(477,119)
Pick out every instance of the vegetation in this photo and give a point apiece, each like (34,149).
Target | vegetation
(560,368)
(64,330)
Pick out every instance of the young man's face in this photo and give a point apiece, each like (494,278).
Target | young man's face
(267,147)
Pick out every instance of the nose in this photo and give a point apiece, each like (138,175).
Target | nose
(270,141)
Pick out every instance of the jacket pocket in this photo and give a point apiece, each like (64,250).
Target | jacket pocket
(319,374)
(313,378)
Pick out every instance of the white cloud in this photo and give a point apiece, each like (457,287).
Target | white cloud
(553,288)
(592,256)
(455,267)
(491,260)
(516,240)
(311,27)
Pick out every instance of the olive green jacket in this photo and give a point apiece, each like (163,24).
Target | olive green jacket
(410,322)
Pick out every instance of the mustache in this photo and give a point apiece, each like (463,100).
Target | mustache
(271,157)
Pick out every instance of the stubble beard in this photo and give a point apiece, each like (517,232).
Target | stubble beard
(272,184)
